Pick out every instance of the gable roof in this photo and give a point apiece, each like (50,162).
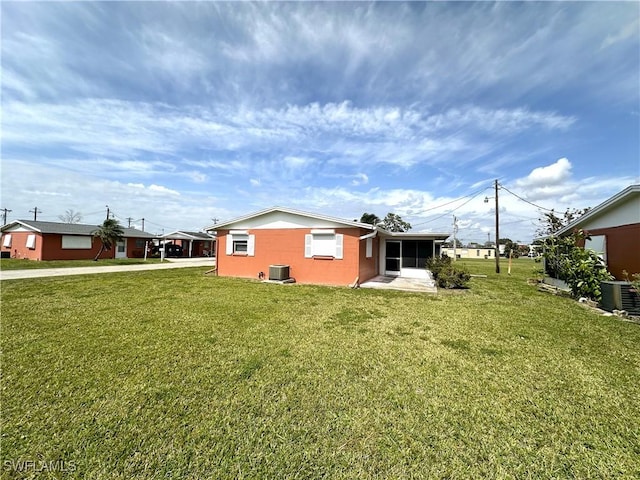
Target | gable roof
(601,209)
(291,211)
(71,228)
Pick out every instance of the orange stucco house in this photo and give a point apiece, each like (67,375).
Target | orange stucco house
(318,249)
(36,240)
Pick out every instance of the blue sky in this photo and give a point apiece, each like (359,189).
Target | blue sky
(185,112)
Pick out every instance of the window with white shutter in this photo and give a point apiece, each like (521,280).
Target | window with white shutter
(323,243)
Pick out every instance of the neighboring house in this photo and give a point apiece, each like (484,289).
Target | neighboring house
(319,249)
(36,240)
(194,244)
(470,252)
(614,231)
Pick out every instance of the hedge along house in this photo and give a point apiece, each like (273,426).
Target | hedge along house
(319,249)
(614,231)
(194,244)
(36,240)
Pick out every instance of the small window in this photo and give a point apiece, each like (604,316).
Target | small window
(240,246)
(140,242)
(7,241)
(31,242)
(323,244)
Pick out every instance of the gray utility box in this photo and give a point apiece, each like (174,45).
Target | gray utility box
(619,296)
(278,272)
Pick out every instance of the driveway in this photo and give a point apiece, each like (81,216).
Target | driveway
(61,272)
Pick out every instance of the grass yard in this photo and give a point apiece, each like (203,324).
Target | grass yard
(173,374)
(23,264)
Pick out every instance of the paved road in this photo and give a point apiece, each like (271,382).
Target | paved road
(59,272)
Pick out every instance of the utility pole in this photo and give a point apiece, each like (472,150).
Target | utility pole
(107,211)
(215,220)
(129,220)
(4,215)
(455,230)
(35,212)
(142,224)
(497,230)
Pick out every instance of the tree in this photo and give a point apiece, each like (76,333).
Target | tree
(370,218)
(510,247)
(71,216)
(551,223)
(109,233)
(394,223)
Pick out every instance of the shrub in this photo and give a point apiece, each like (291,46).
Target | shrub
(436,264)
(582,269)
(447,274)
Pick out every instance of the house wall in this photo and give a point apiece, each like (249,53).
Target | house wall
(18,246)
(623,248)
(52,249)
(369,266)
(627,212)
(469,252)
(286,246)
(49,247)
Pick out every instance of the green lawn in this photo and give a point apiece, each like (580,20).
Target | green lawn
(23,264)
(174,374)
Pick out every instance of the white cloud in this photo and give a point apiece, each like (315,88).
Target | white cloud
(547,177)
(360,179)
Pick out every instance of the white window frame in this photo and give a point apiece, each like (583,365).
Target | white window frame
(315,244)
(76,242)
(236,237)
(31,241)
(6,241)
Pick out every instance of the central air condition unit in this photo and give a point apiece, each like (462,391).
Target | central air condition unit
(617,296)
(278,272)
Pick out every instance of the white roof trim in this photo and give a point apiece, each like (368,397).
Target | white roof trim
(604,206)
(225,225)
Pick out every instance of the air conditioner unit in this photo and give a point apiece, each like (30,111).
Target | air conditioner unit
(278,272)
(617,296)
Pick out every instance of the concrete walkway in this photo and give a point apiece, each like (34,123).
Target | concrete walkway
(61,272)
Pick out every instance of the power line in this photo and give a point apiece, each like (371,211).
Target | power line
(451,211)
(526,201)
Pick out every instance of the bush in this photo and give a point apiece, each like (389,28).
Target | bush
(447,274)
(582,269)
(436,264)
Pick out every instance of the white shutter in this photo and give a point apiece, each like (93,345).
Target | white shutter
(31,242)
(308,244)
(251,245)
(339,242)
(7,240)
(229,244)
(369,251)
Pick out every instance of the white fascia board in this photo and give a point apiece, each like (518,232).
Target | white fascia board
(595,211)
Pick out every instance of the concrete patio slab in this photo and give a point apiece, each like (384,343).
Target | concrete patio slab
(425,285)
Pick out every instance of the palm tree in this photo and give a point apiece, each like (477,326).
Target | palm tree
(109,233)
